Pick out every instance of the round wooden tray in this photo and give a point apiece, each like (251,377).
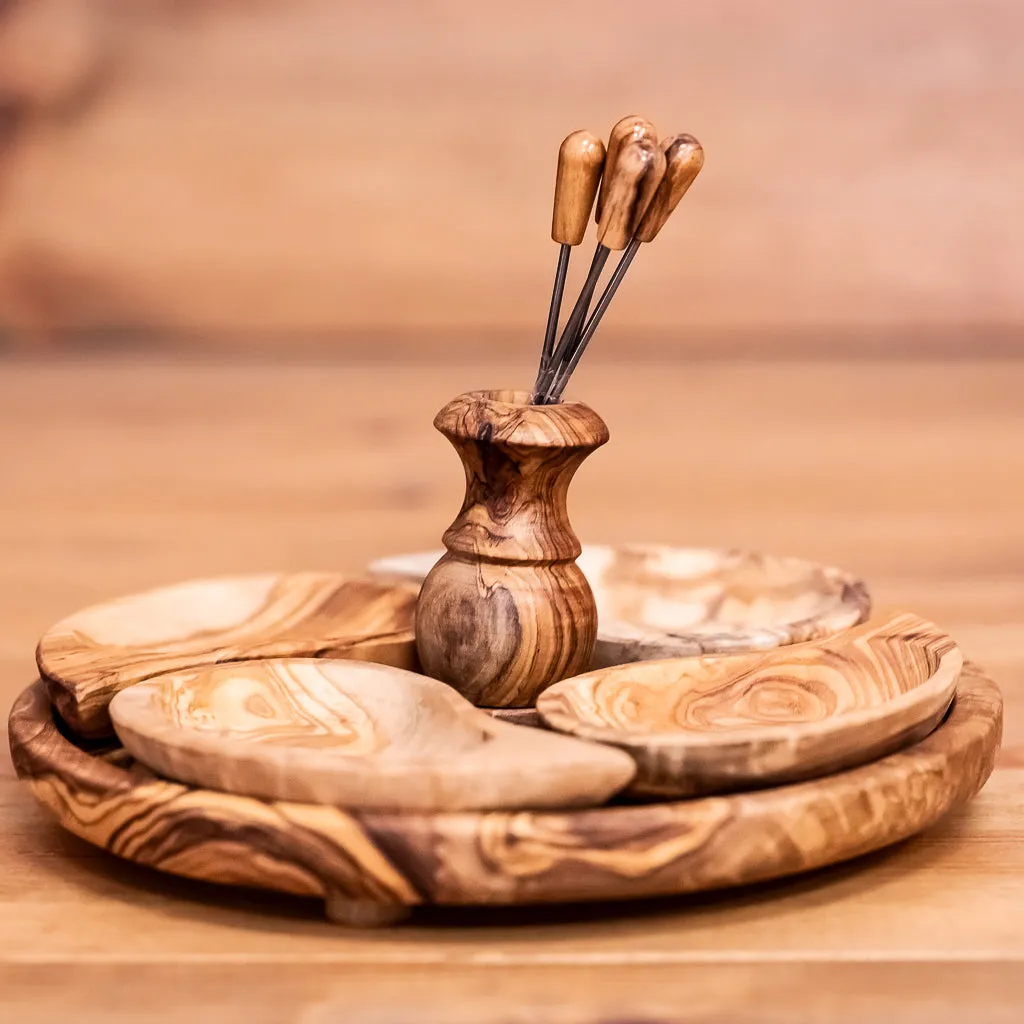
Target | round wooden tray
(372,868)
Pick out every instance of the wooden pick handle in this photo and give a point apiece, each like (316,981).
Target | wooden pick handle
(631,126)
(684,157)
(580,160)
(634,179)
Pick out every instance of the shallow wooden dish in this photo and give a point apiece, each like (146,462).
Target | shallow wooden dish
(93,654)
(708,725)
(352,734)
(372,867)
(655,601)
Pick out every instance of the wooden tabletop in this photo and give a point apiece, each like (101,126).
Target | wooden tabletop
(119,473)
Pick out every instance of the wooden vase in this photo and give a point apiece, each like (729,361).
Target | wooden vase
(506,611)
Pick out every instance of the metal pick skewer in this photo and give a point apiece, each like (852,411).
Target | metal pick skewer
(684,158)
(580,161)
(639,168)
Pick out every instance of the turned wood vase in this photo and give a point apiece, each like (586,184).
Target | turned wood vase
(506,611)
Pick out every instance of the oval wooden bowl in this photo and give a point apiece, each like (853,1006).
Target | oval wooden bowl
(371,868)
(353,735)
(93,654)
(655,601)
(707,725)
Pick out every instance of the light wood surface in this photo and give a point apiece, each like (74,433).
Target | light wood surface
(369,865)
(706,725)
(353,735)
(120,474)
(506,611)
(194,171)
(96,652)
(657,601)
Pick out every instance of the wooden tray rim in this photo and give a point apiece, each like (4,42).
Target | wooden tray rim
(390,862)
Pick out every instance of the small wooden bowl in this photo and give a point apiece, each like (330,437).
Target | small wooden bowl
(351,734)
(655,601)
(705,725)
(88,657)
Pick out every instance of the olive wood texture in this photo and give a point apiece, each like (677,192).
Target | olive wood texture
(632,181)
(580,162)
(91,655)
(631,126)
(656,601)
(684,158)
(707,725)
(506,611)
(353,735)
(371,867)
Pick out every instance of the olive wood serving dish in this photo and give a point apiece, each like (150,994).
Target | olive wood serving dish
(93,654)
(706,725)
(655,601)
(373,867)
(351,734)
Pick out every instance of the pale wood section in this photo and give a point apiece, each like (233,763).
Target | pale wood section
(121,475)
(704,725)
(580,162)
(351,734)
(506,611)
(204,165)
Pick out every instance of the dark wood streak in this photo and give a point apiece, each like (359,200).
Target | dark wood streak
(369,866)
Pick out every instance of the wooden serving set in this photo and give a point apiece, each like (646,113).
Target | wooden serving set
(513,719)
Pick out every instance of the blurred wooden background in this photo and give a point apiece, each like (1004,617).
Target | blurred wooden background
(273,170)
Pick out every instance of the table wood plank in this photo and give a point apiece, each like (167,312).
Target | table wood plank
(119,473)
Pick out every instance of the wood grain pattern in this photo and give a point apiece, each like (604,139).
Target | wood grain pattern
(633,180)
(506,611)
(706,725)
(684,158)
(632,126)
(402,860)
(658,601)
(93,654)
(580,163)
(353,735)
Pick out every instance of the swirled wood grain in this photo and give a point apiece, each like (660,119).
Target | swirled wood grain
(371,866)
(506,611)
(353,735)
(91,655)
(656,601)
(704,725)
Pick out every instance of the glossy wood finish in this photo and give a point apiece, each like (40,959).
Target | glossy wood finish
(506,611)
(353,735)
(684,158)
(93,654)
(632,126)
(632,181)
(580,163)
(706,725)
(395,861)
(656,601)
